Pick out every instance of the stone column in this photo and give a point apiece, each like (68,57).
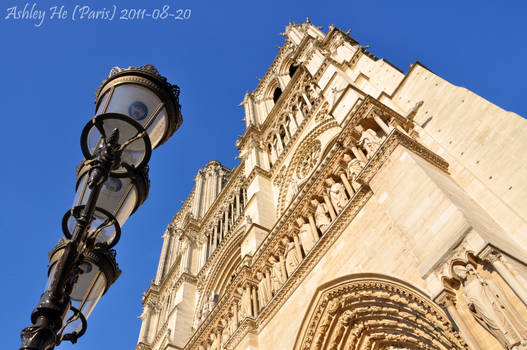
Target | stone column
(447,300)
(235,314)
(210,247)
(387,129)
(282,265)
(293,119)
(287,133)
(254,301)
(226,220)
(215,237)
(146,318)
(346,184)
(314,230)
(238,209)
(359,154)
(154,324)
(496,259)
(203,254)
(298,249)
(330,207)
(301,114)
(196,208)
(167,238)
(268,280)
(279,140)
(307,100)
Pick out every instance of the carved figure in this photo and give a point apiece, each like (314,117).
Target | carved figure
(264,294)
(291,257)
(245,303)
(412,112)
(225,331)
(233,323)
(352,170)
(490,307)
(322,219)
(278,276)
(369,140)
(198,319)
(337,194)
(215,342)
(305,234)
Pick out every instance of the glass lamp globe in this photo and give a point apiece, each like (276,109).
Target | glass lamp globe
(119,198)
(98,271)
(144,96)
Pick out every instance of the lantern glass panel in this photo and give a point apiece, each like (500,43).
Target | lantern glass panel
(86,293)
(142,105)
(118,196)
(156,129)
(128,206)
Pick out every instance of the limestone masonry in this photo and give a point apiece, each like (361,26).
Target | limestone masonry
(371,210)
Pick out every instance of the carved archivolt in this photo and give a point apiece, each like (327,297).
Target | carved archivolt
(375,312)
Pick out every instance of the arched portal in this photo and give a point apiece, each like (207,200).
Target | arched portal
(375,312)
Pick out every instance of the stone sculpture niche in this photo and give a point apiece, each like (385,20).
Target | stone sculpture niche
(490,307)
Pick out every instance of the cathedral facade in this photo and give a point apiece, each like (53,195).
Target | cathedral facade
(371,209)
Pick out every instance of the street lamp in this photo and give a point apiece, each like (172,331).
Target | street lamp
(137,110)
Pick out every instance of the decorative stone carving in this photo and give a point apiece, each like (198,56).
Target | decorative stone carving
(337,194)
(322,219)
(491,308)
(215,342)
(369,140)
(264,294)
(412,112)
(278,275)
(225,332)
(353,169)
(305,234)
(309,159)
(245,303)
(368,312)
(291,257)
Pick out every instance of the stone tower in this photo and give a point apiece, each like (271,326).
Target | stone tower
(371,209)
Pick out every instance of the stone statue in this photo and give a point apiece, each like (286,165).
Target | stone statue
(412,113)
(305,234)
(245,303)
(264,294)
(198,319)
(225,331)
(352,171)
(489,306)
(278,276)
(369,140)
(215,342)
(322,219)
(233,322)
(291,257)
(248,220)
(337,194)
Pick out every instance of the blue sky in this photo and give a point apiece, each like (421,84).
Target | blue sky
(50,73)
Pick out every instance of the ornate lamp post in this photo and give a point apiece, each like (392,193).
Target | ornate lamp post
(137,110)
